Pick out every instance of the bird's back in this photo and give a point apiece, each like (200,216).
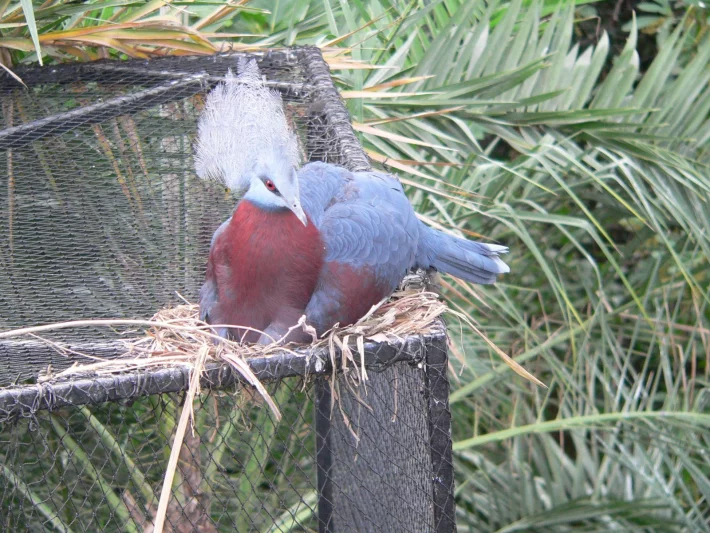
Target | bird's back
(364,218)
(372,237)
(370,234)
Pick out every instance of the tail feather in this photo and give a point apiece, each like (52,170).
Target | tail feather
(468,260)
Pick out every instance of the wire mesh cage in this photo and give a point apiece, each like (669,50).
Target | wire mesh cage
(103,216)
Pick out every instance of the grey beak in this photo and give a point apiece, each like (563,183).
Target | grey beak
(298,211)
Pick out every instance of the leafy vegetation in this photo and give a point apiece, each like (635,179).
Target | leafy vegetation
(590,160)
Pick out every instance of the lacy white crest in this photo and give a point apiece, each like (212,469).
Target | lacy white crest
(243,125)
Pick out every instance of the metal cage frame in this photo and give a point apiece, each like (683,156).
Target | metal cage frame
(425,356)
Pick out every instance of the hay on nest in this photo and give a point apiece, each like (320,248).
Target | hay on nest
(176,335)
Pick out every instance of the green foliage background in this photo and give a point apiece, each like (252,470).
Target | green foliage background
(584,150)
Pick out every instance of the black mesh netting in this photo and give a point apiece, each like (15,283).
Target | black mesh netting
(103,217)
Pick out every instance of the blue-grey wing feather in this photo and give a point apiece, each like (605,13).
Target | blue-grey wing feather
(367,223)
(364,218)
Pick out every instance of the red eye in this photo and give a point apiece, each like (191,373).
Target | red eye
(270,185)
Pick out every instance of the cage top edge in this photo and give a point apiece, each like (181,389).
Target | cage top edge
(67,72)
(26,400)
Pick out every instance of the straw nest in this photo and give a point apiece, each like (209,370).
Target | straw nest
(176,336)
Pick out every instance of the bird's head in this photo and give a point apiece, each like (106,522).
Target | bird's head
(244,141)
(275,186)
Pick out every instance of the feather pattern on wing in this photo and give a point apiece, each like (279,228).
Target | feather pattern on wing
(372,237)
